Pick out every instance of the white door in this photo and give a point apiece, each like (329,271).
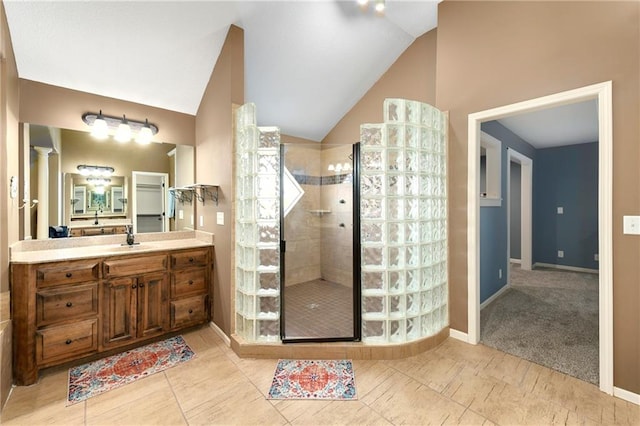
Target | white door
(149,202)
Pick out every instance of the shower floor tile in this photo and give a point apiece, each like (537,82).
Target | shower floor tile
(318,309)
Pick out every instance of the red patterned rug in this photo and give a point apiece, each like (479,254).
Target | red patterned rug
(313,379)
(96,377)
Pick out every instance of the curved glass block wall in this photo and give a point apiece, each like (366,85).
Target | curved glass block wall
(404,223)
(257,228)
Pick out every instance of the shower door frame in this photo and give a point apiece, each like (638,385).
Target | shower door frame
(357,307)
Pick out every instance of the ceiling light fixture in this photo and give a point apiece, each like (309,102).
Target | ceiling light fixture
(95,171)
(363,2)
(121,127)
(380,6)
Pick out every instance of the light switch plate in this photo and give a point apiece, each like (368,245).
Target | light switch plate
(560,253)
(631,225)
(180,214)
(220,218)
(201,221)
(560,210)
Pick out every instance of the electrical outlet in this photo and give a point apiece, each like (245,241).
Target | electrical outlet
(596,257)
(560,210)
(560,253)
(220,218)
(499,273)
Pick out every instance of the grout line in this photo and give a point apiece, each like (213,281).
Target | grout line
(184,416)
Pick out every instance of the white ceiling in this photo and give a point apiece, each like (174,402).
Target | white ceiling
(564,125)
(306,62)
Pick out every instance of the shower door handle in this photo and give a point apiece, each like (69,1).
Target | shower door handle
(283,246)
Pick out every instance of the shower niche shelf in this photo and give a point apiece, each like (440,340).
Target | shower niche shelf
(319,212)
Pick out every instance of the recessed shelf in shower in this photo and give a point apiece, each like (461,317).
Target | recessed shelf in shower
(319,212)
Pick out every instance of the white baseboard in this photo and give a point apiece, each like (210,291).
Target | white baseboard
(566,268)
(495,296)
(633,398)
(459,335)
(220,333)
(515,260)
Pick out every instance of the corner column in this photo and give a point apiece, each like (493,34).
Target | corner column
(43,192)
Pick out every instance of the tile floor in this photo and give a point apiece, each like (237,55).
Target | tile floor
(318,308)
(455,383)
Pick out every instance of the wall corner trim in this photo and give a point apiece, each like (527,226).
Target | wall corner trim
(497,294)
(631,397)
(220,333)
(458,335)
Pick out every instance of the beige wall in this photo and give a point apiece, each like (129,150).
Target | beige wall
(412,76)
(214,164)
(9,109)
(497,53)
(59,107)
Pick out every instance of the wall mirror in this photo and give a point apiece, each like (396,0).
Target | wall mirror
(76,199)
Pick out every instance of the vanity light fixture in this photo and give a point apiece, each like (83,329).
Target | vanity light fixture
(123,134)
(338,167)
(379,5)
(95,171)
(122,128)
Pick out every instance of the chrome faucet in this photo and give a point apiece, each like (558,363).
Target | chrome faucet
(130,236)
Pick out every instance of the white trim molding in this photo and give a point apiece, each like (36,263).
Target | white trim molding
(631,397)
(495,295)
(566,267)
(220,333)
(458,335)
(603,93)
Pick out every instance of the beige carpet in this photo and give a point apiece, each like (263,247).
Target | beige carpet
(549,317)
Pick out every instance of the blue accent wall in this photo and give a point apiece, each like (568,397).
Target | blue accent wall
(566,177)
(493,220)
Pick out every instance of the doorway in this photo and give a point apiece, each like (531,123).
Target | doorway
(602,92)
(149,201)
(320,262)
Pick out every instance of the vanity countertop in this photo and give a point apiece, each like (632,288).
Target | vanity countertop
(58,249)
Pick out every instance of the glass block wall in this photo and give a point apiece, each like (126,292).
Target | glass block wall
(257,228)
(404,223)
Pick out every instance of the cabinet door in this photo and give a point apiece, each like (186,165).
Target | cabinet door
(153,304)
(119,311)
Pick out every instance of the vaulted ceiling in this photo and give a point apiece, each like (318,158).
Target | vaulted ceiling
(306,62)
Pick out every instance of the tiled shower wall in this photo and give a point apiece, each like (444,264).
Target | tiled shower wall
(317,245)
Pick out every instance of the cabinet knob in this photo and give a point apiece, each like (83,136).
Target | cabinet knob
(134,286)
(68,275)
(141,285)
(191,259)
(68,342)
(190,282)
(190,311)
(69,304)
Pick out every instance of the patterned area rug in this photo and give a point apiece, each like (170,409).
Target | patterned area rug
(313,379)
(96,377)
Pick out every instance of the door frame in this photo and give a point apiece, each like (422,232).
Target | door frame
(526,209)
(134,201)
(603,93)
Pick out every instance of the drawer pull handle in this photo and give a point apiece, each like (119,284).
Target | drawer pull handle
(68,275)
(190,282)
(69,304)
(191,259)
(68,342)
(190,311)
(134,286)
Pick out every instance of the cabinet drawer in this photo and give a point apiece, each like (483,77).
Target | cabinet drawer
(190,258)
(66,341)
(134,266)
(189,311)
(66,303)
(188,282)
(67,273)
(89,232)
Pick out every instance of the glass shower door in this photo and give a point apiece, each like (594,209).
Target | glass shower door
(318,289)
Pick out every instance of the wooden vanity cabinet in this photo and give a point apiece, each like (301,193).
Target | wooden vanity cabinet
(68,310)
(97,230)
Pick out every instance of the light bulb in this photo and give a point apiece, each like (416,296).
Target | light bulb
(346,166)
(123,134)
(379,6)
(363,2)
(145,134)
(331,167)
(84,171)
(100,128)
